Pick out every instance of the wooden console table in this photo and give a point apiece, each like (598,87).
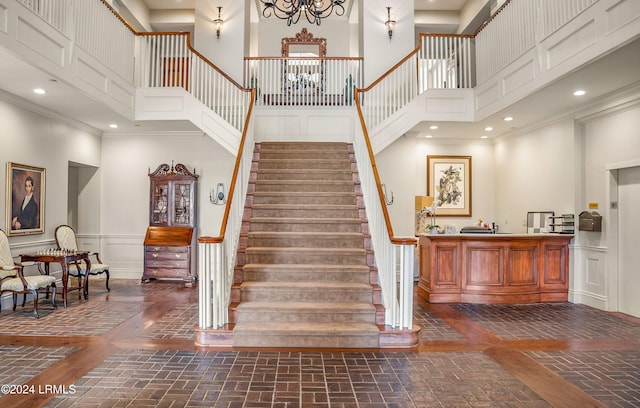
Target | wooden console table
(488,268)
(64,258)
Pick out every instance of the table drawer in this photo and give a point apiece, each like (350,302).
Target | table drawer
(164,256)
(160,272)
(165,249)
(167,263)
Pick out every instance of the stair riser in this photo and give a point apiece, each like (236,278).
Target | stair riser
(303,317)
(305,199)
(306,227)
(308,341)
(302,187)
(286,164)
(306,176)
(311,154)
(304,212)
(308,242)
(258,276)
(308,258)
(326,295)
(340,146)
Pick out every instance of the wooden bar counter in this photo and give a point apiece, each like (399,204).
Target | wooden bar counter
(494,268)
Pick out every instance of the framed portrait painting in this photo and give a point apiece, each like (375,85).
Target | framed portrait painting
(25,199)
(449,183)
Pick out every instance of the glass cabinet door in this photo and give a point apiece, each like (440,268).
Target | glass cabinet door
(160,204)
(182,203)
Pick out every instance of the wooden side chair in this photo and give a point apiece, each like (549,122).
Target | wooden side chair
(66,239)
(13,280)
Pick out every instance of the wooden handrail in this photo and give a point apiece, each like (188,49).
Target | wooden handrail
(119,17)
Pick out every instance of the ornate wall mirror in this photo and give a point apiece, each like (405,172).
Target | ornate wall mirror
(303,67)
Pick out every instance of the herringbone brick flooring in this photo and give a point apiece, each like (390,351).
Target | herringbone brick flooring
(133,347)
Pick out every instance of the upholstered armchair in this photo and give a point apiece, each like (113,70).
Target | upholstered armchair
(66,239)
(13,280)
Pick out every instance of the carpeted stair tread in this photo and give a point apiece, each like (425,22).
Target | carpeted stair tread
(308,307)
(317,285)
(306,207)
(341,146)
(304,182)
(306,220)
(307,329)
(305,272)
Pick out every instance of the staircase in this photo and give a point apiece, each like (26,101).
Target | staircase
(305,275)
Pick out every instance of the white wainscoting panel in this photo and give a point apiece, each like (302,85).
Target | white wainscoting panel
(589,283)
(304,124)
(123,253)
(574,43)
(622,14)
(42,43)
(520,76)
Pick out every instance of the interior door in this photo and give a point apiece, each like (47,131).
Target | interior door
(629,262)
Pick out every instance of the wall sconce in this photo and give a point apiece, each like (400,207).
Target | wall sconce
(390,24)
(218,23)
(219,198)
(386,196)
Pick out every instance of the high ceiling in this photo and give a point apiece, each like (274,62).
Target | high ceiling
(617,71)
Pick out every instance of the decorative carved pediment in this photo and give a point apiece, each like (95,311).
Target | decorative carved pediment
(304,38)
(166,170)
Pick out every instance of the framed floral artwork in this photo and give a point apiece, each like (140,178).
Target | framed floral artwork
(25,199)
(449,183)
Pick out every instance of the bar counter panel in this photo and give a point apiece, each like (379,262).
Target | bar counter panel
(487,268)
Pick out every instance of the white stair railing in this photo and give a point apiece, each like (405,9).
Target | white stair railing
(217,255)
(307,81)
(394,257)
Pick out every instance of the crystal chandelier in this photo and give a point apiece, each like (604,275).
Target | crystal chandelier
(313,10)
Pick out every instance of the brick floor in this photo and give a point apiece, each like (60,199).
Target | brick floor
(153,361)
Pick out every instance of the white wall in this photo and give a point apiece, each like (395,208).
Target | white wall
(609,138)
(535,172)
(30,138)
(403,169)
(127,161)
(379,52)
(228,51)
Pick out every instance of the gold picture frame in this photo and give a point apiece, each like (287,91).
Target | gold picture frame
(449,183)
(25,217)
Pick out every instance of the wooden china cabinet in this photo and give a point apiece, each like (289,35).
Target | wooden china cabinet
(170,241)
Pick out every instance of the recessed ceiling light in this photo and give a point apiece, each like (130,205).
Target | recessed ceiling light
(39,91)
(113,126)
(484,137)
(428,136)
(579,92)
(508,118)
(488,129)
(433,127)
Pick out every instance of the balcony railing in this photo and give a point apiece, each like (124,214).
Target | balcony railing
(167,60)
(303,81)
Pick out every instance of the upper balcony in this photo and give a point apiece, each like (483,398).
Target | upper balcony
(158,82)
